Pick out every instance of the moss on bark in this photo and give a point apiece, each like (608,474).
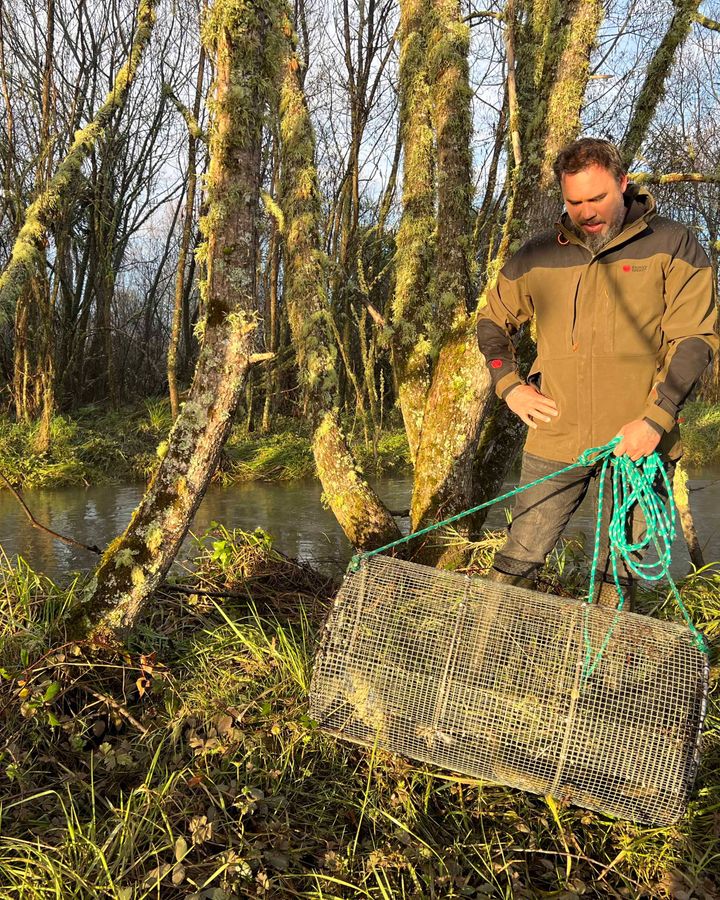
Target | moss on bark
(27,252)
(460,383)
(412,308)
(241,38)
(653,89)
(360,512)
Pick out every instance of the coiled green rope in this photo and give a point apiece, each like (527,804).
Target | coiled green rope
(632,483)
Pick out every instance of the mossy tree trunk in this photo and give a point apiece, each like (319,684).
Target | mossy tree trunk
(653,89)
(681,493)
(415,247)
(240,36)
(180,299)
(551,41)
(460,383)
(34,375)
(27,251)
(362,516)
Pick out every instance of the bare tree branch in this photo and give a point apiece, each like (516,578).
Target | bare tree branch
(35,524)
(674,177)
(707,23)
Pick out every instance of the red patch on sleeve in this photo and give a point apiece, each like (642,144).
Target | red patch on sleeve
(496,363)
(626,268)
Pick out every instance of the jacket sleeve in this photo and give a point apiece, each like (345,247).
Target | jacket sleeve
(689,332)
(507,306)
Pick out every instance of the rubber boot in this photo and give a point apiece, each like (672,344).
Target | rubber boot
(506,578)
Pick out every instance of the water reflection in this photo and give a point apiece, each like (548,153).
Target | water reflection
(293,513)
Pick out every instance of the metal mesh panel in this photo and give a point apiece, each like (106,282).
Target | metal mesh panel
(491,681)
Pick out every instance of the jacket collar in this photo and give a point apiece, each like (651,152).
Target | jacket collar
(640,205)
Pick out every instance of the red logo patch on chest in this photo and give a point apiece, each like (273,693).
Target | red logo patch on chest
(627,268)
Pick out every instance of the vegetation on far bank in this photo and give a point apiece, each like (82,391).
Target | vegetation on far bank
(97,445)
(186,766)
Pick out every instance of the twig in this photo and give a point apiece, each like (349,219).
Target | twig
(581,857)
(261,357)
(35,524)
(708,23)
(483,14)
(119,708)
(202,592)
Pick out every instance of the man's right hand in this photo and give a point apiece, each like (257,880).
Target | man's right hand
(527,402)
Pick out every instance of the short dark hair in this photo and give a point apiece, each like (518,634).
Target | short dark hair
(587,152)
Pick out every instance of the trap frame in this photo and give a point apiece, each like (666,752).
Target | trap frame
(601,708)
(493,682)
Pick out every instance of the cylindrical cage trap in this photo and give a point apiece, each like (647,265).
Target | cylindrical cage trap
(551,695)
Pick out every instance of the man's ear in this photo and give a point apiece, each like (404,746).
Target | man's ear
(623,183)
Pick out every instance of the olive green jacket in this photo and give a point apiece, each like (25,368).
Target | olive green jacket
(621,335)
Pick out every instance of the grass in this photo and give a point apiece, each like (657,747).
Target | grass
(701,434)
(97,446)
(186,766)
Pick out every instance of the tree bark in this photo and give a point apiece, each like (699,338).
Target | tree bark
(653,89)
(553,50)
(240,37)
(682,501)
(460,383)
(415,246)
(185,240)
(361,514)
(27,250)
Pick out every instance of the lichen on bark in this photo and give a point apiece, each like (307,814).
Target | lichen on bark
(27,251)
(241,38)
(412,308)
(460,384)
(361,514)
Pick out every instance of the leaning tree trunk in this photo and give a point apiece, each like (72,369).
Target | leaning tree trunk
(28,248)
(240,38)
(653,89)
(194,136)
(546,92)
(362,516)
(460,384)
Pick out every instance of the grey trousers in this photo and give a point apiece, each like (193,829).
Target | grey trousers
(541,513)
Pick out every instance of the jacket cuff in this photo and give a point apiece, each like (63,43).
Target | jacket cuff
(655,415)
(654,425)
(507,383)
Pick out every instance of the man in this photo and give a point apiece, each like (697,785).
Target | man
(624,309)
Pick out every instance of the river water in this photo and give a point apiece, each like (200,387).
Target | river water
(291,512)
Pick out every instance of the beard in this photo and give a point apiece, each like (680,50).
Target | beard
(595,242)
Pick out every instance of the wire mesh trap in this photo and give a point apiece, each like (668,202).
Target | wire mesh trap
(550,695)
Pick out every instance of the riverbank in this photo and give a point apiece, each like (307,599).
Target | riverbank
(97,446)
(187,766)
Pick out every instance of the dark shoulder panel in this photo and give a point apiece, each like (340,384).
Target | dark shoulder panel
(544,250)
(681,242)
(667,237)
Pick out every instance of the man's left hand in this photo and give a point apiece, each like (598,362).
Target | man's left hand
(638,439)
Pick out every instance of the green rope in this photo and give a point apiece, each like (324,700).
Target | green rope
(633,483)
(585,459)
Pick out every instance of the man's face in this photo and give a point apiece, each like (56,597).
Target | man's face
(594,201)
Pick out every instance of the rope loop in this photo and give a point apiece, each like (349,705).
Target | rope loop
(633,485)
